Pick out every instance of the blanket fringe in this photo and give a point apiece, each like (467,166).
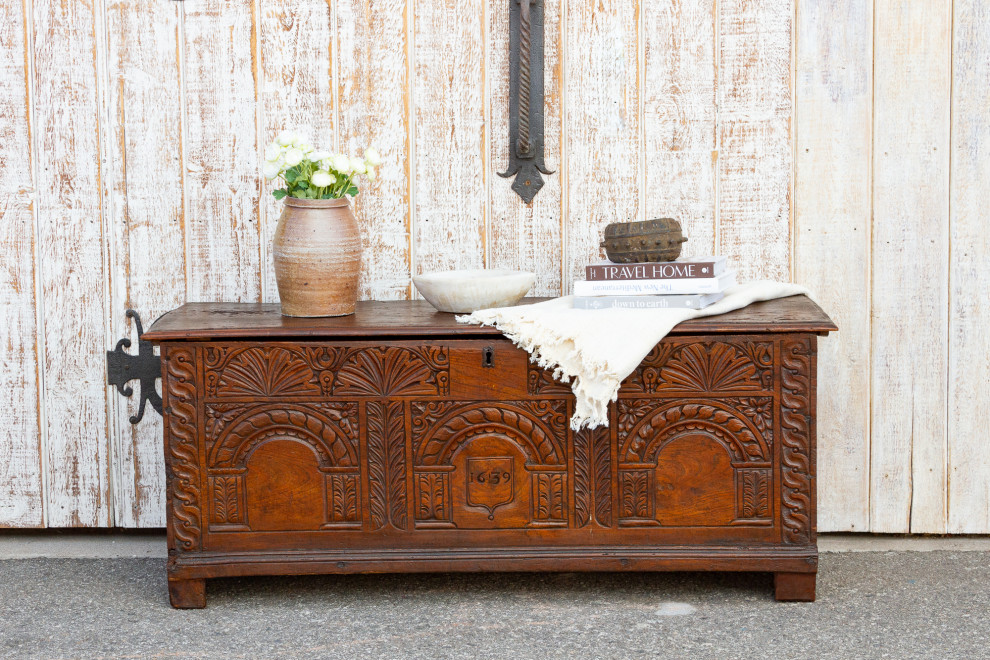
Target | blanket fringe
(594,381)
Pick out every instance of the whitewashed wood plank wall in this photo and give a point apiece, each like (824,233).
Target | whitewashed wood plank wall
(843,144)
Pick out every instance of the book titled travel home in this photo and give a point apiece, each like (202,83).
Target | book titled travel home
(681,269)
(691,301)
(653,287)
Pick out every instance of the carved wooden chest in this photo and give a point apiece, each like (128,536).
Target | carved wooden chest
(397,440)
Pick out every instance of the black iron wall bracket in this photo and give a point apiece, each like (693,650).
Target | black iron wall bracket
(145,367)
(526,98)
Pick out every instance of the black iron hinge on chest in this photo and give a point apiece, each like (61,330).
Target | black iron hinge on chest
(145,367)
(526,98)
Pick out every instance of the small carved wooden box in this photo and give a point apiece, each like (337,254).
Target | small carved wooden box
(397,440)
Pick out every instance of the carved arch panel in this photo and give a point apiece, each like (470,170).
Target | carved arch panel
(326,431)
(478,466)
(702,458)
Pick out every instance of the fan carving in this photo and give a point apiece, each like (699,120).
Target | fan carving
(393,370)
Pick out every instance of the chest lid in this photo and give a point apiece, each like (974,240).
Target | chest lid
(416,318)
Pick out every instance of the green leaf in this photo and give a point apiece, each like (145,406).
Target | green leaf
(352,191)
(302,184)
(292,174)
(280,193)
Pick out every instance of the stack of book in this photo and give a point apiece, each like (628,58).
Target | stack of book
(692,283)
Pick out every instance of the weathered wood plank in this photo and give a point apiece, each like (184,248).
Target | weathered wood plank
(373,107)
(679,118)
(449,167)
(146,226)
(296,93)
(223,179)
(437,171)
(521,236)
(910,265)
(71,260)
(601,127)
(832,208)
(969,310)
(754,178)
(21,484)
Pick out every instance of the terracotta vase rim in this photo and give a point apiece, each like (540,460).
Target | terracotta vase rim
(317,203)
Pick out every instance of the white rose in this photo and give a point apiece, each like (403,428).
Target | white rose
(371,155)
(371,174)
(285,138)
(297,139)
(293,157)
(273,152)
(322,179)
(271,170)
(357,165)
(317,156)
(342,163)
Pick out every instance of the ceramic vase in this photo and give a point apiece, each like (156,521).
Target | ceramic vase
(317,251)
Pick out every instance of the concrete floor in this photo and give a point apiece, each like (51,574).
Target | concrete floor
(114,544)
(891,604)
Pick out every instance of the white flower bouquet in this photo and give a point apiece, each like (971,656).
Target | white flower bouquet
(311,174)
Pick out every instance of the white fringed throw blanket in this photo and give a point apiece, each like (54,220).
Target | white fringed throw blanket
(594,350)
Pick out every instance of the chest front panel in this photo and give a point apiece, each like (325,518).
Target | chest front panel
(415,443)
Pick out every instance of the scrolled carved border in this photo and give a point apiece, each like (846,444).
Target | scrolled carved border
(183,487)
(796,467)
